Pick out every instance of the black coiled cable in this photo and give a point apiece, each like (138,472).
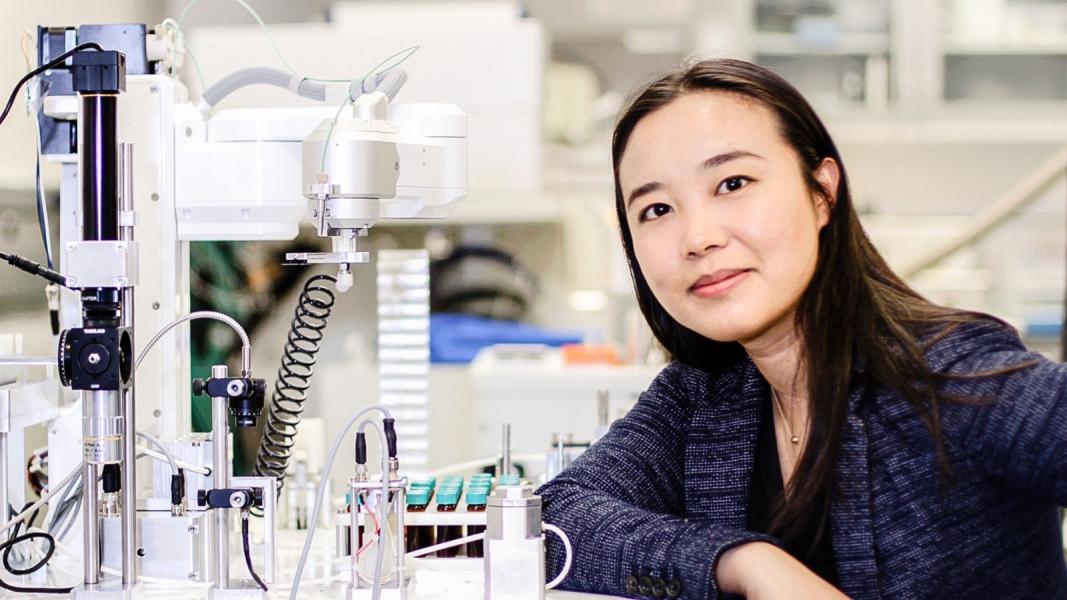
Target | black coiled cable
(294,377)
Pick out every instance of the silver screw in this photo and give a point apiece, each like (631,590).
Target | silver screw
(236,387)
(193,575)
(155,197)
(155,306)
(120,280)
(94,358)
(71,247)
(154,89)
(193,529)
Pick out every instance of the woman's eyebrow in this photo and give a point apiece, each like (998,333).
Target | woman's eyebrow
(639,191)
(714,161)
(720,159)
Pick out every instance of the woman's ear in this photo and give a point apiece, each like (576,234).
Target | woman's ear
(828,175)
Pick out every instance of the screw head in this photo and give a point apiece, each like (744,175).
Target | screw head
(188,132)
(94,359)
(235,387)
(154,89)
(140,552)
(156,413)
(194,575)
(155,306)
(155,197)
(193,529)
(72,246)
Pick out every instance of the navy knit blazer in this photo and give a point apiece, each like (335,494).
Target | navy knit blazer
(653,504)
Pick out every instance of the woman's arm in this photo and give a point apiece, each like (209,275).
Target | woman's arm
(622,503)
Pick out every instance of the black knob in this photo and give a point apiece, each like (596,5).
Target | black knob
(64,359)
(198,387)
(94,359)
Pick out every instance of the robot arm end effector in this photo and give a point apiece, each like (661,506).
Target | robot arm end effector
(372,164)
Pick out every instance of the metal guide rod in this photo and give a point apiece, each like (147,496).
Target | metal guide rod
(221,480)
(129,437)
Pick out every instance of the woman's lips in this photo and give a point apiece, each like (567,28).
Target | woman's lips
(718,283)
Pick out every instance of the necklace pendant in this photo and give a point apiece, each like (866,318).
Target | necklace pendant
(795,440)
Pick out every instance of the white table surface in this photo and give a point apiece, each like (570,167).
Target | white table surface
(65,570)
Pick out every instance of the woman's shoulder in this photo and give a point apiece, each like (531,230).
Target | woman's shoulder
(978,342)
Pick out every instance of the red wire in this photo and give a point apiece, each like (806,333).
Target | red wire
(377,530)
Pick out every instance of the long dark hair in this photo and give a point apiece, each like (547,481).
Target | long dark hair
(854,309)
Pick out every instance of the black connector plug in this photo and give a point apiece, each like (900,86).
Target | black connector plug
(33,268)
(390,435)
(112,478)
(361,448)
(177,488)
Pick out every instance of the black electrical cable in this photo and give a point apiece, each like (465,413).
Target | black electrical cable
(58,61)
(33,268)
(17,538)
(42,216)
(248,552)
(294,377)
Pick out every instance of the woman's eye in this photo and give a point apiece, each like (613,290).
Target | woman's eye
(732,184)
(654,211)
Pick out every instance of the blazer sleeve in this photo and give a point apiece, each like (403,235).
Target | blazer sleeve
(622,504)
(1012,425)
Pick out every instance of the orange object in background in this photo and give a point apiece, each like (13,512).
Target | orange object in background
(590,354)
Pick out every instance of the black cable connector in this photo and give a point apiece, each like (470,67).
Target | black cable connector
(361,448)
(177,488)
(390,435)
(112,478)
(33,268)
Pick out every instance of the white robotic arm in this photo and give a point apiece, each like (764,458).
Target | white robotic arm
(237,175)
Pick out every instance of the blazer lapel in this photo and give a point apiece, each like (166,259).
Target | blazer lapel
(722,447)
(851,521)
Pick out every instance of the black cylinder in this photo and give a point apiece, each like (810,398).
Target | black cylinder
(98,166)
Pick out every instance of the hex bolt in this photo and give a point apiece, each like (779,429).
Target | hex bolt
(94,358)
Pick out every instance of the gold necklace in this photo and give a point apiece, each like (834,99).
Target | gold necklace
(788,428)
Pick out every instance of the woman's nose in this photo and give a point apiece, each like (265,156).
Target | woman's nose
(703,236)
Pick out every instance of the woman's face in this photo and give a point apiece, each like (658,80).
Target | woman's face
(724,228)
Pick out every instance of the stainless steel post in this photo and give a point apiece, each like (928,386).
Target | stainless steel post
(91,535)
(221,479)
(4,501)
(129,437)
(505,450)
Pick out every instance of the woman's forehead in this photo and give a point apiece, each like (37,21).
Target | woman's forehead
(696,126)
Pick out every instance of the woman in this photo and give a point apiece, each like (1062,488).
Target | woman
(822,429)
